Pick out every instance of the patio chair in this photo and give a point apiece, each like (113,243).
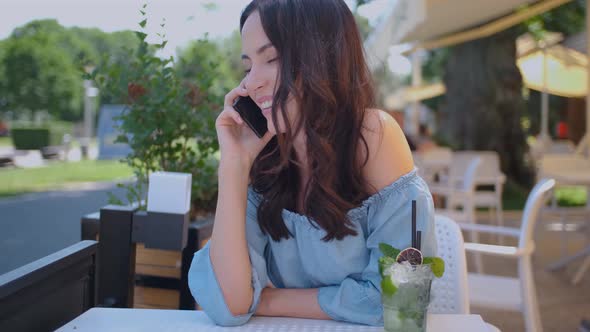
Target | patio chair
(508,293)
(450,293)
(488,174)
(433,163)
(462,197)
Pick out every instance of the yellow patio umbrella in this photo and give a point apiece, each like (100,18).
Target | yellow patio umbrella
(551,69)
(563,68)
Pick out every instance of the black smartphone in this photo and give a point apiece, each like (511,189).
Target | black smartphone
(251,114)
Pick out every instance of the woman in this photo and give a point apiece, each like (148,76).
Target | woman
(301,212)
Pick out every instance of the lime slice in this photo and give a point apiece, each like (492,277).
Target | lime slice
(437,265)
(388,250)
(411,255)
(387,286)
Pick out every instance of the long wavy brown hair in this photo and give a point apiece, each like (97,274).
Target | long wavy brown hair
(322,66)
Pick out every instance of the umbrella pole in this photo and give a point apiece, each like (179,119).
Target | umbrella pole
(545,103)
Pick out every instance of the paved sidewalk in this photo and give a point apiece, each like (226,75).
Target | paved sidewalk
(35,225)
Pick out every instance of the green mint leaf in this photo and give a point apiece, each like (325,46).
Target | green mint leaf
(436,264)
(388,250)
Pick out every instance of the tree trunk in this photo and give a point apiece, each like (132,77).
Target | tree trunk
(484,103)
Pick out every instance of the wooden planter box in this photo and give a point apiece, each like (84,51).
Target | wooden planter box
(160,282)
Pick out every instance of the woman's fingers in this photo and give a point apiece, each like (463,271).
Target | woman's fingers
(236,116)
(233,94)
(229,112)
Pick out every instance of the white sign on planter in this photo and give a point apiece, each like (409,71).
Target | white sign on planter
(169,192)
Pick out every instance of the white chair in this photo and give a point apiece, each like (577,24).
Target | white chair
(463,197)
(488,174)
(433,163)
(506,293)
(450,293)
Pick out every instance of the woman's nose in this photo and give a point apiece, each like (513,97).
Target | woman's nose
(255,80)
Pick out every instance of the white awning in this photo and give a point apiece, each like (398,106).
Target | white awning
(422,20)
(428,24)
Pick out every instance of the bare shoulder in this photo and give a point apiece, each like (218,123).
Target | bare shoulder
(389,153)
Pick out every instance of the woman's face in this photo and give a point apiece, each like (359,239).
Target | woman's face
(261,65)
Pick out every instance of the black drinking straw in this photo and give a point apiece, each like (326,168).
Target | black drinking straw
(414,244)
(419,240)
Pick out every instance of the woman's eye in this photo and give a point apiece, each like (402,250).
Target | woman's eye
(246,71)
(273,60)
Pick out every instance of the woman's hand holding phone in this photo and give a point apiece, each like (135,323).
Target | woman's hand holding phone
(236,140)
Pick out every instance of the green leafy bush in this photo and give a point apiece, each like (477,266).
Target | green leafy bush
(30,138)
(169,122)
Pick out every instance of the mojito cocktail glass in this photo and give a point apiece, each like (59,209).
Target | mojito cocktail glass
(404,310)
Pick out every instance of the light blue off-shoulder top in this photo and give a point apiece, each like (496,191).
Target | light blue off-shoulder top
(345,271)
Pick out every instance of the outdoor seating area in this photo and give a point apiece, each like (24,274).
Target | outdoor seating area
(458,291)
(135,158)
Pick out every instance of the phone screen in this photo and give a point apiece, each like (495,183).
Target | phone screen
(251,114)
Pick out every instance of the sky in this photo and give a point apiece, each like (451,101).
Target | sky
(186,20)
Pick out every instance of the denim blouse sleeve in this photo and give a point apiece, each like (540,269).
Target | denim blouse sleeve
(203,282)
(358,299)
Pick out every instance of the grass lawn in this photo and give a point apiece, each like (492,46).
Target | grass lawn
(5,141)
(57,175)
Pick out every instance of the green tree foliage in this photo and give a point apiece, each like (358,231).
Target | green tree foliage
(41,66)
(567,19)
(231,50)
(363,25)
(38,75)
(202,57)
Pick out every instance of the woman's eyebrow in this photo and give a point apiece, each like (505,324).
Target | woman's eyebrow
(259,50)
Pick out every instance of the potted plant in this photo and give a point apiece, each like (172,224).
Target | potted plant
(169,124)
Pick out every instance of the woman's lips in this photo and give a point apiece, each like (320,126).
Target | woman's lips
(266,112)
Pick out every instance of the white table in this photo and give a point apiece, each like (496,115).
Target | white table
(110,319)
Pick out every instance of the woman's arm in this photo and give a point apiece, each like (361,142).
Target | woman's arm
(205,285)
(284,302)
(233,271)
(228,247)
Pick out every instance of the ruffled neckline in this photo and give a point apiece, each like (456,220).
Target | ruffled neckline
(385,192)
